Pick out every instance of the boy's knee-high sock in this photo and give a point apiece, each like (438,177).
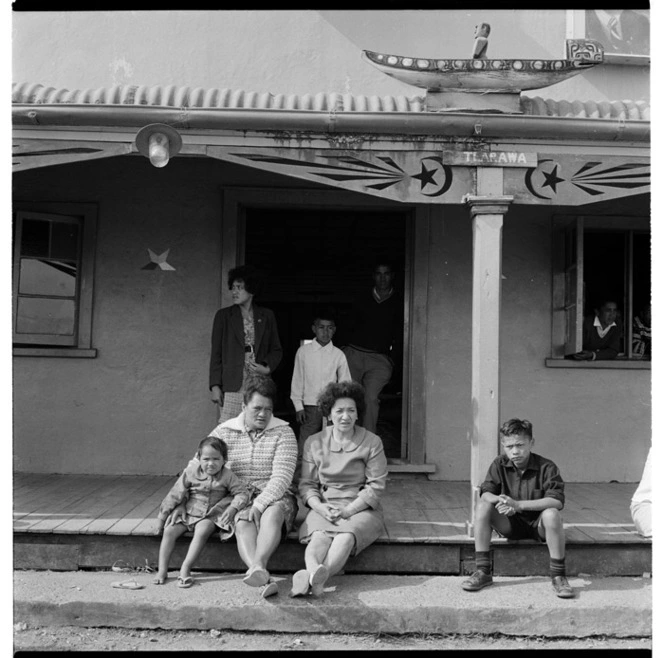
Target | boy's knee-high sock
(557,567)
(483,561)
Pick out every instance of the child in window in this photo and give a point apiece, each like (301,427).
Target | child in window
(205,485)
(521,498)
(642,334)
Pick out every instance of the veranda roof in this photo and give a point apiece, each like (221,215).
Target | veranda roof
(197,108)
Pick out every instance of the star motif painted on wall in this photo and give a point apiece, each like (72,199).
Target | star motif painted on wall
(426,176)
(551,179)
(158,261)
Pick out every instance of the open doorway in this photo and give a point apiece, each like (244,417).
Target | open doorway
(324,257)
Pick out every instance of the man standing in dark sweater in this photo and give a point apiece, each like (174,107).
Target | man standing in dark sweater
(377,330)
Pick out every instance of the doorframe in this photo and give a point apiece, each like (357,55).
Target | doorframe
(235,201)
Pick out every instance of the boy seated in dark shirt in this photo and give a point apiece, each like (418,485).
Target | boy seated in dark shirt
(521,498)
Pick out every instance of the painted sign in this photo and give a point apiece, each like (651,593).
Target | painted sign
(425,177)
(486,158)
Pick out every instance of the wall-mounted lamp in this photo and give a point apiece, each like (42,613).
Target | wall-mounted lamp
(159,143)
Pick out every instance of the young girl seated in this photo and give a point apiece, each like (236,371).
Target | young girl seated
(205,485)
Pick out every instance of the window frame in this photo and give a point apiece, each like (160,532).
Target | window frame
(566,330)
(26,345)
(576,29)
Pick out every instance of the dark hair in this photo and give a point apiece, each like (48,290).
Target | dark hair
(605,299)
(515,427)
(383,260)
(336,390)
(253,280)
(262,385)
(324,314)
(219,445)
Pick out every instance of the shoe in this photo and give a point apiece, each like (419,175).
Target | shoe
(185,582)
(300,585)
(318,579)
(256,577)
(127,584)
(563,588)
(269,590)
(477,581)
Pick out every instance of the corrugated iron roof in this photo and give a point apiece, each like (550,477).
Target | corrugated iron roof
(186,97)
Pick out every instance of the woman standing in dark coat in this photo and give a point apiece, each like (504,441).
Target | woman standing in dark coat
(245,342)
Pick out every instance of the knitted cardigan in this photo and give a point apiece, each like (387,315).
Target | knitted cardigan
(266,463)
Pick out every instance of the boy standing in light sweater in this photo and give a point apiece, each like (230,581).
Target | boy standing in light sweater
(316,364)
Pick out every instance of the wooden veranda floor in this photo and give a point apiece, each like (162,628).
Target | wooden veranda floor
(68,510)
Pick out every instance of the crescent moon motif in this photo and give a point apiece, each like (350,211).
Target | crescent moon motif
(447,171)
(528,180)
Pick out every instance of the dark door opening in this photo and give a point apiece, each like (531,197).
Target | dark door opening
(315,258)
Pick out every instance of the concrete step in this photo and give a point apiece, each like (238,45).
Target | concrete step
(69,552)
(615,607)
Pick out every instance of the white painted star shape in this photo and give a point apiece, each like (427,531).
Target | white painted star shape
(160,260)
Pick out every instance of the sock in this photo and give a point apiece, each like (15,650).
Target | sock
(557,567)
(483,561)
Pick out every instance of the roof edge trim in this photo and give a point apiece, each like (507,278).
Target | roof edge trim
(443,124)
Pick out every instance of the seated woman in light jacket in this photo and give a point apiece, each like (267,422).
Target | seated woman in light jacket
(344,471)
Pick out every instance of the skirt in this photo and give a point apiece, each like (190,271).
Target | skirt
(366,526)
(233,400)
(288,505)
(225,531)
(232,406)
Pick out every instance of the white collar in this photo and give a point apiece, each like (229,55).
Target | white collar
(597,323)
(382,299)
(237,423)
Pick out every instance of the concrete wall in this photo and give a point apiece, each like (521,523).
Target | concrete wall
(142,405)
(289,52)
(596,424)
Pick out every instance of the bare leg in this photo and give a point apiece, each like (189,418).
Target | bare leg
(202,530)
(316,550)
(256,547)
(269,535)
(551,528)
(246,534)
(487,517)
(171,533)
(339,552)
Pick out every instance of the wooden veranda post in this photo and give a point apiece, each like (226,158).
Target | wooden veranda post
(487,213)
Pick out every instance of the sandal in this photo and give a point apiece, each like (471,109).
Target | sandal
(120,566)
(256,577)
(127,584)
(300,585)
(318,579)
(185,582)
(269,590)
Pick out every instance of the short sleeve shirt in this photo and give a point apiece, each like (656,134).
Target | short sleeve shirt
(540,479)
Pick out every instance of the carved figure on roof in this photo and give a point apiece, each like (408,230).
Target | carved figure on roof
(481,40)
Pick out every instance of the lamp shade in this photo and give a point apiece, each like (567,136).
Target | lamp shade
(158,149)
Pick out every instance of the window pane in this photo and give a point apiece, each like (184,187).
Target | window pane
(64,240)
(45,316)
(40,277)
(604,268)
(641,271)
(34,238)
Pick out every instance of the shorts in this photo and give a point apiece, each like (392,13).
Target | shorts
(524,527)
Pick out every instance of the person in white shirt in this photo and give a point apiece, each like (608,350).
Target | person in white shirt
(316,364)
(641,503)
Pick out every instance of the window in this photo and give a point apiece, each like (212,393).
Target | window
(597,258)
(53,269)
(624,33)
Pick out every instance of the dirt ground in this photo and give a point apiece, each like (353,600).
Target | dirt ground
(72,638)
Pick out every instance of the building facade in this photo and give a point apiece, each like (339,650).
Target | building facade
(507,227)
